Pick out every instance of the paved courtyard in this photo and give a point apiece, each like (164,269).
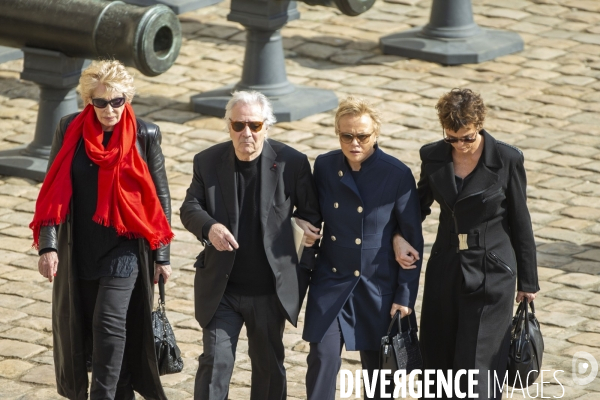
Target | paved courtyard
(545,100)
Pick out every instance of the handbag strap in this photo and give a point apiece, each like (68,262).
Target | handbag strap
(396,318)
(526,318)
(391,326)
(161,289)
(518,319)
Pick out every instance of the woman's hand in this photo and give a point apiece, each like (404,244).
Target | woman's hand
(524,295)
(406,255)
(404,311)
(48,265)
(162,269)
(311,232)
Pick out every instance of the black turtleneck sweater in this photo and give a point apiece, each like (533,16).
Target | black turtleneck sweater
(251,274)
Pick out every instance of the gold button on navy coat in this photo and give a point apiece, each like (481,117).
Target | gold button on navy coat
(356,276)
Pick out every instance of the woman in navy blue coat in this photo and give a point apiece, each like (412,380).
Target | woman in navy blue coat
(366,196)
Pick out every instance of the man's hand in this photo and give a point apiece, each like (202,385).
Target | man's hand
(48,265)
(311,232)
(404,311)
(221,238)
(405,254)
(524,295)
(162,269)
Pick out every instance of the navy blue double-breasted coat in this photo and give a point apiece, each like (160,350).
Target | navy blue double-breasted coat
(356,275)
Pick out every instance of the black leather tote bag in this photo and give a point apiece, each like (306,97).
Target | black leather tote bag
(167,352)
(400,351)
(526,348)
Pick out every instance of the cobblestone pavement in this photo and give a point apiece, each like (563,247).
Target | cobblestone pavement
(546,100)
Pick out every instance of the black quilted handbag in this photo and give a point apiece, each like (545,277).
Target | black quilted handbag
(168,354)
(526,348)
(400,351)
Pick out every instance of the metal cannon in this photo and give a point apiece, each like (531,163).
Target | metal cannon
(145,38)
(57,36)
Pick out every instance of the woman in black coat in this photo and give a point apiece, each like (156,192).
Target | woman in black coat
(484,244)
(101,244)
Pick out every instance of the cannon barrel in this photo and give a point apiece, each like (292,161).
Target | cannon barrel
(147,38)
(348,7)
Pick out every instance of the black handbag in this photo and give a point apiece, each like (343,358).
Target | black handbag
(526,348)
(168,354)
(402,350)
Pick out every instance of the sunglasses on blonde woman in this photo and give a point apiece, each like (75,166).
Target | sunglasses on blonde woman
(239,126)
(114,103)
(360,137)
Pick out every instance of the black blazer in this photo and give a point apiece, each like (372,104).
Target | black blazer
(491,209)
(286,182)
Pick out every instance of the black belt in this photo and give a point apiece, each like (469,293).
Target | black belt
(464,241)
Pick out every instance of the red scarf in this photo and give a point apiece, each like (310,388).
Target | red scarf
(127,197)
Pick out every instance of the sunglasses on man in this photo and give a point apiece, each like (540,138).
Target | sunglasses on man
(238,126)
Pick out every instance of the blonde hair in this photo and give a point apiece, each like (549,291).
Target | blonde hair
(110,73)
(357,107)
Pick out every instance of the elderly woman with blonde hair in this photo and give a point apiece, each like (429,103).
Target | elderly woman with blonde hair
(102,228)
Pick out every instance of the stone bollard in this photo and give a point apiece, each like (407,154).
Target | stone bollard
(264,61)
(452,37)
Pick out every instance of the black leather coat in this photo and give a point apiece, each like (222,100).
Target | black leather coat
(67,328)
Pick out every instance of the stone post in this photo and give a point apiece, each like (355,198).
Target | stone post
(452,37)
(264,65)
(57,76)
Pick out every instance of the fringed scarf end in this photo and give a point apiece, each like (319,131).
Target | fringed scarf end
(157,243)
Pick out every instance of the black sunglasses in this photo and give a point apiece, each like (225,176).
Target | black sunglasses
(114,103)
(465,139)
(360,137)
(239,126)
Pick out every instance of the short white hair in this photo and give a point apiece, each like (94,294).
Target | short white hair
(249,98)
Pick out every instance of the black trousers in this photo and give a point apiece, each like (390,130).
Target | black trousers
(324,362)
(105,302)
(264,326)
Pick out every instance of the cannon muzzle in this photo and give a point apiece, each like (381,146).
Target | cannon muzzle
(348,7)
(147,38)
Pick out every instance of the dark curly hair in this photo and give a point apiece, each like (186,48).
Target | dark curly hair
(459,108)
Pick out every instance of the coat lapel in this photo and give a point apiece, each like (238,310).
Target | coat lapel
(227,182)
(443,172)
(483,177)
(269,177)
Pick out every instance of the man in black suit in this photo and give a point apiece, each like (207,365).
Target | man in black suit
(240,204)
